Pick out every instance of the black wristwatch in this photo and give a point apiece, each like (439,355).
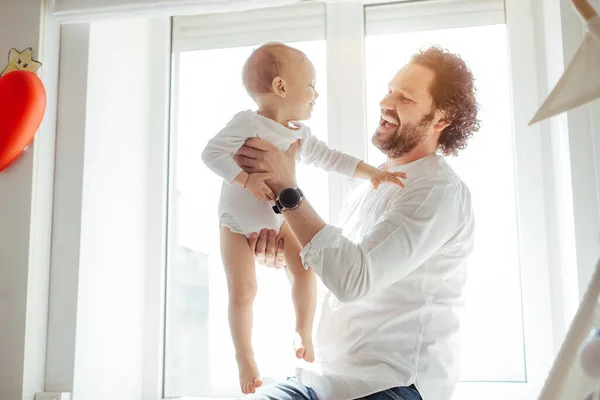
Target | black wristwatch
(288,199)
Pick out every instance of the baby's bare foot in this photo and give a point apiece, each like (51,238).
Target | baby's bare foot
(249,376)
(304,347)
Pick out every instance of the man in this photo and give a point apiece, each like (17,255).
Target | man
(396,271)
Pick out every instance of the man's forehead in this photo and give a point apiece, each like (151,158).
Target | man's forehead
(413,79)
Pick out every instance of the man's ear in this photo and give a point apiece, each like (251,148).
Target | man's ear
(279,87)
(442,122)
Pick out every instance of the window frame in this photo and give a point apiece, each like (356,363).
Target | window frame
(345,27)
(310,26)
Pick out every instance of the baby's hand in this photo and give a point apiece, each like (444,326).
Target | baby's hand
(378,177)
(257,186)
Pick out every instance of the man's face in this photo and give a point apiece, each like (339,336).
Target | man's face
(407,112)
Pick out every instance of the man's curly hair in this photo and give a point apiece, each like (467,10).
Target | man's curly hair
(453,93)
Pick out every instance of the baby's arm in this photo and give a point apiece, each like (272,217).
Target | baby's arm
(314,151)
(378,176)
(218,156)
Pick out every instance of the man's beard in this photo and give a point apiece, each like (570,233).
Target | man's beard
(405,139)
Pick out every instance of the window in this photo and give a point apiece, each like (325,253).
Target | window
(199,355)
(208,55)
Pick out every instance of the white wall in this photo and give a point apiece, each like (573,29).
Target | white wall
(66,228)
(584,142)
(562,261)
(571,165)
(572,170)
(26,214)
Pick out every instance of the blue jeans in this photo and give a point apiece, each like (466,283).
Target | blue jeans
(294,390)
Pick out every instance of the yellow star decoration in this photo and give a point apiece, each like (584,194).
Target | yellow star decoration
(21,61)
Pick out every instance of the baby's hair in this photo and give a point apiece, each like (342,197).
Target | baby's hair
(265,64)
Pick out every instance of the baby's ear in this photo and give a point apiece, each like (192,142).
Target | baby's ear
(279,87)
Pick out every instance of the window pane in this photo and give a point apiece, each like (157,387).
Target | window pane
(199,359)
(493,330)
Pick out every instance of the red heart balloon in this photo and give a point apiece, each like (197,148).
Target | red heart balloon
(22,106)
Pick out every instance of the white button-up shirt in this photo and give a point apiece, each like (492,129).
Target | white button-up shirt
(396,273)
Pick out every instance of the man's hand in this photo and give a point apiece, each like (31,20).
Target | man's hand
(268,249)
(259,156)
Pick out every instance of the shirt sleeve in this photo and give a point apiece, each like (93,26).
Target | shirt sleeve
(218,153)
(316,152)
(411,231)
(594,27)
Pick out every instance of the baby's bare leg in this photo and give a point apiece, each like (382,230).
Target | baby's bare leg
(241,283)
(304,295)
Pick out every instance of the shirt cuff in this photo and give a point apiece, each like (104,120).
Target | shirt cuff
(594,27)
(353,165)
(312,253)
(232,173)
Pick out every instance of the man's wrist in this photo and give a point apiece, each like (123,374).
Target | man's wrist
(277,189)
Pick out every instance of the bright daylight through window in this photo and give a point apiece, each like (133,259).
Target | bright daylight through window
(200,361)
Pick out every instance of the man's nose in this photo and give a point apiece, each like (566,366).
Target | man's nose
(386,103)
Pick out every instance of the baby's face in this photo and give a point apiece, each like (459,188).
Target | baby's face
(301,95)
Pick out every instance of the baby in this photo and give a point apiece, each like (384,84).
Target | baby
(281,80)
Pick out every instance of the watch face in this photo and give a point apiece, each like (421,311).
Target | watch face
(289,198)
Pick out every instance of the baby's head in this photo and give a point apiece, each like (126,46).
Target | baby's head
(280,77)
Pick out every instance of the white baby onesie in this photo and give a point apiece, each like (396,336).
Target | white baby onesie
(239,210)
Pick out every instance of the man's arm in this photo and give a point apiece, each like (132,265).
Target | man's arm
(304,222)
(413,228)
(407,234)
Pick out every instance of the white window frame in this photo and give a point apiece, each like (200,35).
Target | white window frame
(346,27)
(431,15)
